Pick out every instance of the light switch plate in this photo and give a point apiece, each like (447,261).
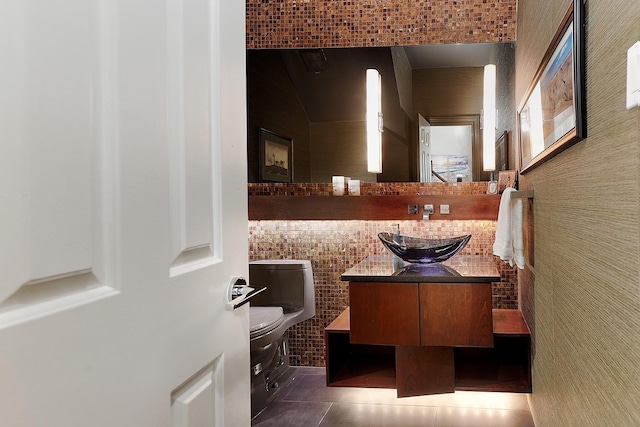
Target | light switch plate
(444,209)
(633,76)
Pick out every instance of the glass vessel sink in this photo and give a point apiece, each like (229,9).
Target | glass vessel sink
(423,251)
(433,269)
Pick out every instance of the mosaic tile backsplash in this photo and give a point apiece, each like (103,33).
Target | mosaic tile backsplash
(347,23)
(335,246)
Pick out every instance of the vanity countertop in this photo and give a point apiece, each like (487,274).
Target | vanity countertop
(458,269)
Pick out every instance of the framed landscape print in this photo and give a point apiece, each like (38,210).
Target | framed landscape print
(276,157)
(553,115)
(506,179)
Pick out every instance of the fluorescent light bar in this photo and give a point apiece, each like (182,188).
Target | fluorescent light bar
(374,121)
(489,125)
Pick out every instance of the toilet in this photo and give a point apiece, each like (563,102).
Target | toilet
(289,299)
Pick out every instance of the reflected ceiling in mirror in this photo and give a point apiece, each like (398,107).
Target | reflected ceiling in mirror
(452,55)
(316,97)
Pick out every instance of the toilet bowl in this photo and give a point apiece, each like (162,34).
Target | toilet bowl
(289,299)
(265,320)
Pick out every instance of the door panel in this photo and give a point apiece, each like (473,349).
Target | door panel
(196,402)
(191,122)
(58,168)
(424,149)
(124,225)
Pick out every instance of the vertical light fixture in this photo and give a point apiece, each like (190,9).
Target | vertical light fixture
(374,121)
(489,120)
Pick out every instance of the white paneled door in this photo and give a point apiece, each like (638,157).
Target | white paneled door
(123,214)
(424,149)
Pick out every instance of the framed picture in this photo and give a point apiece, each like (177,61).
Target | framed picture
(506,179)
(276,157)
(451,167)
(502,152)
(553,115)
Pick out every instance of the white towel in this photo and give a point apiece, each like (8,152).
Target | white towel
(509,245)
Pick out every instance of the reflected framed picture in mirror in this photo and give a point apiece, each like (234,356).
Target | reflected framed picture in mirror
(506,179)
(553,115)
(502,152)
(276,157)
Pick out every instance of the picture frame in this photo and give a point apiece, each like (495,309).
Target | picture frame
(506,179)
(502,151)
(275,157)
(552,116)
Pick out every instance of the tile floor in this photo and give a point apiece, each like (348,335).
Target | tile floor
(307,402)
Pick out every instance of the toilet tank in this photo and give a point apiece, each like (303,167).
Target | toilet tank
(289,284)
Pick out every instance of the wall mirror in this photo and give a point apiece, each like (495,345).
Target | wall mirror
(316,98)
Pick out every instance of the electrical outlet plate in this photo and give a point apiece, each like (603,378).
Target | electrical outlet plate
(412,209)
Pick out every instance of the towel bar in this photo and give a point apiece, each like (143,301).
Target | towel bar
(525,194)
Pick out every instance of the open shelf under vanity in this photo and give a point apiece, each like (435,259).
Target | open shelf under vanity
(505,367)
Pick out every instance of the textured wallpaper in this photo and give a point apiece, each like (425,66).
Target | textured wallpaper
(582,296)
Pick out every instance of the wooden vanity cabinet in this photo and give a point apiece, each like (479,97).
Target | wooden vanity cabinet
(426,331)
(421,314)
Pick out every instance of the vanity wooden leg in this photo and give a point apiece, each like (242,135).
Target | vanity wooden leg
(424,370)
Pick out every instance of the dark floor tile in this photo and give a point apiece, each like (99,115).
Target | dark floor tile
(370,415)
(481,417)
(280,413)
(312,388)
(308,402)
(310,370)
(285,383)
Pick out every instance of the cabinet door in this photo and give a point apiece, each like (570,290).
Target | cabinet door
(384,313)
(424,370)
(456,314)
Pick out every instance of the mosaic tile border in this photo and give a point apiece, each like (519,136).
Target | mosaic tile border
(347,23)
(370,189)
